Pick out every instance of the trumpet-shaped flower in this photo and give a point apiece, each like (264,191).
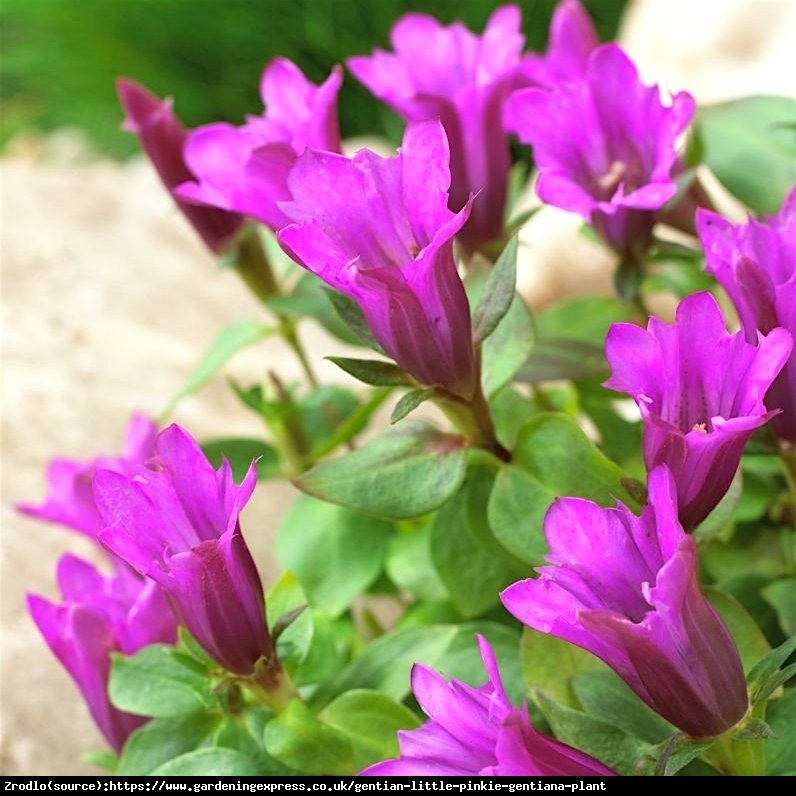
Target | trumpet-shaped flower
(570,43)
(70,501)
(476,731)
(162,137)
(176,521)
(380,231)
(450,73)
(700,391)
(613,157)
(756,264)
(245,168)
(625,588)
(101,614)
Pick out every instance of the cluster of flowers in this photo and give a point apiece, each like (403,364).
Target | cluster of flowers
(386,232)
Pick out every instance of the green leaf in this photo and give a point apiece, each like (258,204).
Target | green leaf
(470,562)
(781,749)
(606,743)
(293,643)
(781,595)
(385,664)
(373,371)
(766,676)
(505,350)
(554,359)
(229,341)
(750,145)
(585,319)
(159,681)
(604,695)
(299,739)
(352,316)
(410,568)
(752,644)
(552,457)
(409,402)
(550,664)
(498,293)
(217,761)
(410,469)
(334,552)
(371,721)
(163,739)
(240,453)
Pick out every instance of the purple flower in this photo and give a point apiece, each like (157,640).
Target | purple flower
(613,155)
(454,75)
(474,731)
(380,231)
(245,168)
(101,614)
(625,588)
(700,391)
(176,521)
(70,501)
(162,137)
(756,264)
(570,43)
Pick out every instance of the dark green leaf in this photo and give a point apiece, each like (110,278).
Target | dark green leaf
(765,676)
(781,749)
(554,359)
(373,371)
(498,293)
(351,314)
(409,402)
(410,469)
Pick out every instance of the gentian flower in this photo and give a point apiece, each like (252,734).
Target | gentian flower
(70,501)
(245,168)
(755,263)
(700,391)
(625,588)
(474,731)
(450,73)
(176,521)
(380,231)
(570,42)
(613,157)
(162,137)
(101,614)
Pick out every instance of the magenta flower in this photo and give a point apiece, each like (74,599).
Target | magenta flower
(162,137)
(613,156)
(625,588)
(380,231)
(101,614)
(454,75)
(700,391)
(474,731)
(756,264)
(570,43)
(244,169)
(176,521)
(70,501)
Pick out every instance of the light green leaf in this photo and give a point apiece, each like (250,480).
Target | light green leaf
(498,293)
(409,401)
(373,371)
(750,145)
(215,761)
(229,341)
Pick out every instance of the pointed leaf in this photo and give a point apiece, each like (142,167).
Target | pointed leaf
(373,371)
(229,341)
(409,469)
(240,452)
(498,293)
(351,314)
(409,402)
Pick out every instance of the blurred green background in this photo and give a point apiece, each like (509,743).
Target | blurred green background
(59,58)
